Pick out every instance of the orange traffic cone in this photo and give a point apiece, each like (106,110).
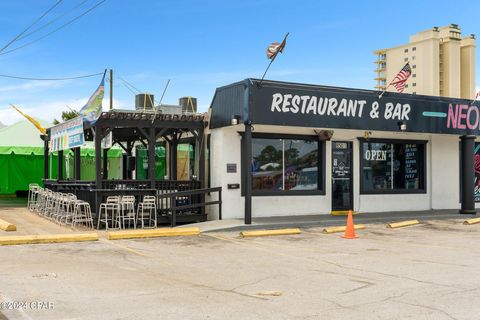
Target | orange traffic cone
(350,230)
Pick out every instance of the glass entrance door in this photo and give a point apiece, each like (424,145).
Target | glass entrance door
(342,183)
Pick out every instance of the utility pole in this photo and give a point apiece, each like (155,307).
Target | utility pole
(111,89)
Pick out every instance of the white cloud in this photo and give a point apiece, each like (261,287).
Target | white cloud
(31,86)
(48,110)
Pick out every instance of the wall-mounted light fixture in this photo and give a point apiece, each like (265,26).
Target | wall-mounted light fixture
(402,125)
(235,120)
(367,134)
(324,135)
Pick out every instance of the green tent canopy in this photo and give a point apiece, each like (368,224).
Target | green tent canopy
(21,159)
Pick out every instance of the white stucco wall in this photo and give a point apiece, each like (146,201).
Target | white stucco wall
(446,172)
(225,148)
(442,176)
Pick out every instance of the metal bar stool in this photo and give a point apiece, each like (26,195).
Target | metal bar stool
(127,204)
(82,214)
(146,210)
(111,212)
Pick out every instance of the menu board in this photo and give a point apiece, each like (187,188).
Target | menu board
(411,166)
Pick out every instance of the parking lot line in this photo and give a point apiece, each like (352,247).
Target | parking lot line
(116,244)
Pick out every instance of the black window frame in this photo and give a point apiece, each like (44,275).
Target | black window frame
(393,191)
(321,190)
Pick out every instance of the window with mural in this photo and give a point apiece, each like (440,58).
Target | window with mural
(285,164)
(392,166)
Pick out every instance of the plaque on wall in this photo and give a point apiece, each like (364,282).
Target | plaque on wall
(231,168)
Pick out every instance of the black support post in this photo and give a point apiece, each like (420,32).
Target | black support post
(98,167)
(151,157)
(201,165)
(248,173)
(60,165)
(98,158)
(46,152)
(173,157)
(201,159)
(247,157)
(468,174)
(129,155)
(105,164)
(76,163)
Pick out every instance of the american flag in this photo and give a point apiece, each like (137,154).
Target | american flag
(399,81)
(274,48)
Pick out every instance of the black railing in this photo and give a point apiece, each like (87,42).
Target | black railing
(177,200)
(187,203)
(179,185)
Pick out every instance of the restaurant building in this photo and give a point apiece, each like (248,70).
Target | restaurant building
(279,148)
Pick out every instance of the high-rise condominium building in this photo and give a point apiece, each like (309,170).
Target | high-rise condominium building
(441,59)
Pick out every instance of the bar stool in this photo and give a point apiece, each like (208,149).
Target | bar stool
(127,204)
(111,212)
(82,214)
(70,202)
(33,189)
(145,210)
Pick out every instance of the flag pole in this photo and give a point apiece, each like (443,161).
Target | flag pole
(282,45)
(476,98)
(32,120)
(381,94)
(160,103)
(111,88)
(75,111)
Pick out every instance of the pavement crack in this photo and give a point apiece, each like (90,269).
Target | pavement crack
(390,275)
(365,284)
(429,308)
(252,283)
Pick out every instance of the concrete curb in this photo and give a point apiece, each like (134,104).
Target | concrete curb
(342,213)
(7,226)
(48,238)
(265,233)
(342,229)
(472,221)
(402,224)
(152,233)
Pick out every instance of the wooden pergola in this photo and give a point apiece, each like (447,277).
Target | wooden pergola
(128,129)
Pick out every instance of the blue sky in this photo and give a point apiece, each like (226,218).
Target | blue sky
(201,45)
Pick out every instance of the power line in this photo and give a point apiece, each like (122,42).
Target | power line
(55,30)
(51,79)
(31,25)
(53,20)
(128,83)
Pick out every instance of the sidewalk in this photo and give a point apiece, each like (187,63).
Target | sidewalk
(326,220)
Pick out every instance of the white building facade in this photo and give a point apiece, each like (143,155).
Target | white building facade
(322,150)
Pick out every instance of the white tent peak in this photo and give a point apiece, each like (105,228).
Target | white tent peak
(22,133)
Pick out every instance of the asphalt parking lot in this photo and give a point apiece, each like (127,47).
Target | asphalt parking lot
(422,272)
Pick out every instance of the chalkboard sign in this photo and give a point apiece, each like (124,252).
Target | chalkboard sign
(411,166)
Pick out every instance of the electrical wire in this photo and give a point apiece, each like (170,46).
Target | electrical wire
(128,83)
(53,20)
(51,79)
(133,92)
(55,30)
(31,25)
